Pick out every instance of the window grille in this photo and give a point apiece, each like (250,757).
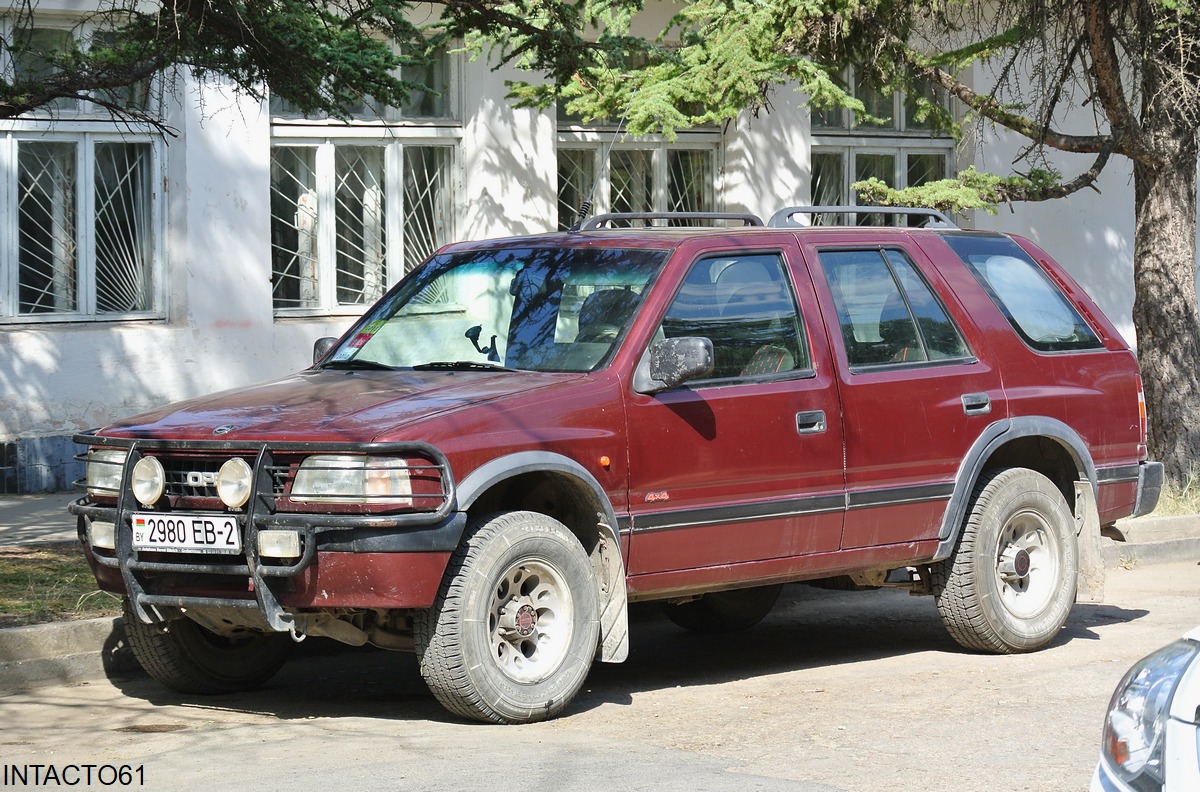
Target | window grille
(389,206)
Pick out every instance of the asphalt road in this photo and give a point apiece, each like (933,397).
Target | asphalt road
(834,691)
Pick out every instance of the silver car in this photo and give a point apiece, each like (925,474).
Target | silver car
(1152,730)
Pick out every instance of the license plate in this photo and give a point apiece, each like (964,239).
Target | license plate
(187,533)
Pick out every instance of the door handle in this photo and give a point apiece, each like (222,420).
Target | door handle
(811,422)
(976,404)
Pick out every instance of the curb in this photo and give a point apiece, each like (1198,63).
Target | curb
(63,652)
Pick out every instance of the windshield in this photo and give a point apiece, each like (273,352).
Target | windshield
(536,309)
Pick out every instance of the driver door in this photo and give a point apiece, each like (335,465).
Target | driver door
(746,465)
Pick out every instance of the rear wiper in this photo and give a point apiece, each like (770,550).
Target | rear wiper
(459,365)
(355,363)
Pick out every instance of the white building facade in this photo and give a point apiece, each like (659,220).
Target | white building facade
(138,269)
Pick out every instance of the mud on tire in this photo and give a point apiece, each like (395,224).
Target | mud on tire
(1010,584)
(513,633)
(191,659)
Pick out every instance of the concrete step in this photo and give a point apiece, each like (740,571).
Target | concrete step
(1154,540)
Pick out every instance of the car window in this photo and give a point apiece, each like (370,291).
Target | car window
(887,312)
(745,306)
(1032,303)
(535,309)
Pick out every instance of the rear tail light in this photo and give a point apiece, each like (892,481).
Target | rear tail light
(1142,422)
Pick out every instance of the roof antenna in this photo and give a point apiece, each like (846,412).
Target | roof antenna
(585,208)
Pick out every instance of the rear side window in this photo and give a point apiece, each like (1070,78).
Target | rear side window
(1040,313)
(887,312)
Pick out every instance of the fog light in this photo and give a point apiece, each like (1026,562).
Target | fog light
(102,535)
(278,544)
(148,481)
(235,481)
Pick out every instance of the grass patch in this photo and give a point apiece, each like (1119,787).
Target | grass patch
(49,582)
(1180,499)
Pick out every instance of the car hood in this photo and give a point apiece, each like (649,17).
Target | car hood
(315,405)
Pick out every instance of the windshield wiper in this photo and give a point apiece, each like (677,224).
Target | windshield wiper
(459,365)
(355,363)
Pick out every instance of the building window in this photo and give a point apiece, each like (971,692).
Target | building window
(37,44)
(80,213)
(897,146)
(350,215)
(348,218)
(438,101)
(644,177)
(82,216)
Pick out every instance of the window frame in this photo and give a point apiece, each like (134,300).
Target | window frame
(393,145)
(850,139)
(602,147)
(390,118)
(85,264)
(84,31)
(882,252)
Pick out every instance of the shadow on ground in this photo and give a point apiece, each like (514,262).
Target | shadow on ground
(809,628)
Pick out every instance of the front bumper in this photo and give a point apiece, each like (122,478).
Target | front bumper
(347,560)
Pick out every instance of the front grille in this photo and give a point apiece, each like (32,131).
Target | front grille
(195,478)
(191,477)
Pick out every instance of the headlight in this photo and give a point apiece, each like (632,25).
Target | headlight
(1137,716)
(147,480)
(344,478)
(104,466)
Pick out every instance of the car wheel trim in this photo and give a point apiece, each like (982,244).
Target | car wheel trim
(529,621)
(1027,564)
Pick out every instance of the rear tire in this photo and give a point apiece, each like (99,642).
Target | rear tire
(1010,584)
(724,611)
(191,659)
(514,630)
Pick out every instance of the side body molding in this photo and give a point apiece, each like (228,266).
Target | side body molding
(991,439)
(607,561)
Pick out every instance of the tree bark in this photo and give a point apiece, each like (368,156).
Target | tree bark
(1165,303)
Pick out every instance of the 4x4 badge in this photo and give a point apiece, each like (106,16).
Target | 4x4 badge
(220,430)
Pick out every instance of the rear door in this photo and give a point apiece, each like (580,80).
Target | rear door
(746,465)
(916,385)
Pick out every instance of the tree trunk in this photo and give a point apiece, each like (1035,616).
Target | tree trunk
(1165,302)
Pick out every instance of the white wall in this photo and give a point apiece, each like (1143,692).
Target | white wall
(767,165)
(219,331)
(509,176)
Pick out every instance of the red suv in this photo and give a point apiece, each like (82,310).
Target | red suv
(526,434)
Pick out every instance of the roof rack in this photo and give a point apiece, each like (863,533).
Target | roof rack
(609,220)
(783,218)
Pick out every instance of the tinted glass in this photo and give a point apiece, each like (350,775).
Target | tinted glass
(745,306)
(887,312)
(1031,302)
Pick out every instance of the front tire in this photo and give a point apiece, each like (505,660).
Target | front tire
(1010,584)
(191,659)
(513,632)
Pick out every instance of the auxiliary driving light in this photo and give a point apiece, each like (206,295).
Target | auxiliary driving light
(278,544)
(235,482)
(148,480)
(102,535)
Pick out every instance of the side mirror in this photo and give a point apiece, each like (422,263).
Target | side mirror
(673,361)
(321,348)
